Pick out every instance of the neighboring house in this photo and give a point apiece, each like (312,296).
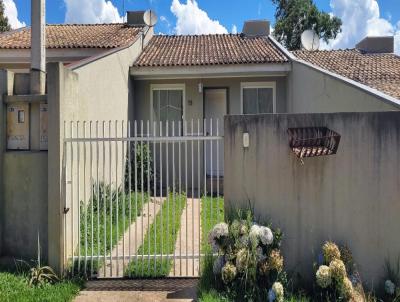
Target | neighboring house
(65,43)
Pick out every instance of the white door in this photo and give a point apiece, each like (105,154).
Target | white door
(215,105)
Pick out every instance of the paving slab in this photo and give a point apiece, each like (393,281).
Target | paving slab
(188,241)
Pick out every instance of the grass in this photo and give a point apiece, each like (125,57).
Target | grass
(212,212)
(98,238)
(14,287)
(170,217)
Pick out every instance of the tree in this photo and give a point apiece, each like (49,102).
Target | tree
(293,17)
(4,25)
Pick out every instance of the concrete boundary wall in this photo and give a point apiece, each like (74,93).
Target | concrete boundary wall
(352,197)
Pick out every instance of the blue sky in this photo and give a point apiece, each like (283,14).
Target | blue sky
(360,17)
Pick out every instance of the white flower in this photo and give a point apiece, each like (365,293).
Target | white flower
(220,230)
(218,265)
(277,288)
(254,231)
(390,287)
(323,276)
(266,235)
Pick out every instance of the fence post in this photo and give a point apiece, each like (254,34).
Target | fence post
(6,86)
(62,96)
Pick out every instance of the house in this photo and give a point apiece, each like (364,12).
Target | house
(107,72)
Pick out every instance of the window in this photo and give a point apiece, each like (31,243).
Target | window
(167,105)
(258,97)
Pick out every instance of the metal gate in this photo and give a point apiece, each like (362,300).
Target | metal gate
(139,197)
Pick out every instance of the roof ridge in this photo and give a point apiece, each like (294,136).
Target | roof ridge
(195,35)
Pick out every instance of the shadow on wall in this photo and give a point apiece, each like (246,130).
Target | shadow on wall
(351,197)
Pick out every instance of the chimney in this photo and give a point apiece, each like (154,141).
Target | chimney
(135,18)
(38,47)
(256,28)
(376,45)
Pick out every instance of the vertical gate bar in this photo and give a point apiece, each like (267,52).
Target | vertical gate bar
(142,189)
(64,191)
(116,195)
(104,199)
(180,195)
(198,187)
(167,185)
(72,197)
(211,171)
(155,193)
(123,191)
(192,241)
(78,199)
(148,193)
(98,196)
(91,198)
(161,196)
(84,192)
(205,168)
(136,188)
(218,172)
(130,194)
(186,195)
(110,188)
(173,188)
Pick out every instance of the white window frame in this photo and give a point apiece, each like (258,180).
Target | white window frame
(272,85)
(168,87)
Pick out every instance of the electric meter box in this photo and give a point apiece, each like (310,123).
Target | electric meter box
(43,126)
(18,126)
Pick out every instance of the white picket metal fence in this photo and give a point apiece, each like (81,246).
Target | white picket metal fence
(140,196)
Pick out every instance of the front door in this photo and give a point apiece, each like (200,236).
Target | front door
(215,108)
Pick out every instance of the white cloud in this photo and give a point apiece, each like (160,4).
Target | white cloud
(91,11)
(10,10)
(360,18)
(193,20)
(234,29)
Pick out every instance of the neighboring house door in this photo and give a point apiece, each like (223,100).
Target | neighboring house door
(215,108)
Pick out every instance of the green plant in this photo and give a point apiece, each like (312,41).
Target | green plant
(40,275)
(336,276)
(392,282)
(249,266)
(139,172)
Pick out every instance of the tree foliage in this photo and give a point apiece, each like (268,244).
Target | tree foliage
(4,25)
(293,17)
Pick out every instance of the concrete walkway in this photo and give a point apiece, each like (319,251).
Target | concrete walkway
(187,242)
(132,240)
(156,290)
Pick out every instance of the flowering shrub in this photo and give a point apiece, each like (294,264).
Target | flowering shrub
(392,282)
(250,265)
(336,276)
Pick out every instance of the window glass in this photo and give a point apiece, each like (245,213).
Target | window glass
(168,106)
(258,100)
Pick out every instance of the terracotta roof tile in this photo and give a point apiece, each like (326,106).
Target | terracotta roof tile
(217,49)
(74,36)
(379,71)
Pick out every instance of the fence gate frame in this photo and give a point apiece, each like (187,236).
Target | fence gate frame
(101,164)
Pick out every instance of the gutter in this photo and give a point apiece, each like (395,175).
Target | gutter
(372,91)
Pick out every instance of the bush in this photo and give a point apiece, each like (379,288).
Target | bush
(249,266)
(336,275)
(143,157)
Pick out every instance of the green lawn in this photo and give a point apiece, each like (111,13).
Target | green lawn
(14,288)
(170,217)
(108,224)
(212,212)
